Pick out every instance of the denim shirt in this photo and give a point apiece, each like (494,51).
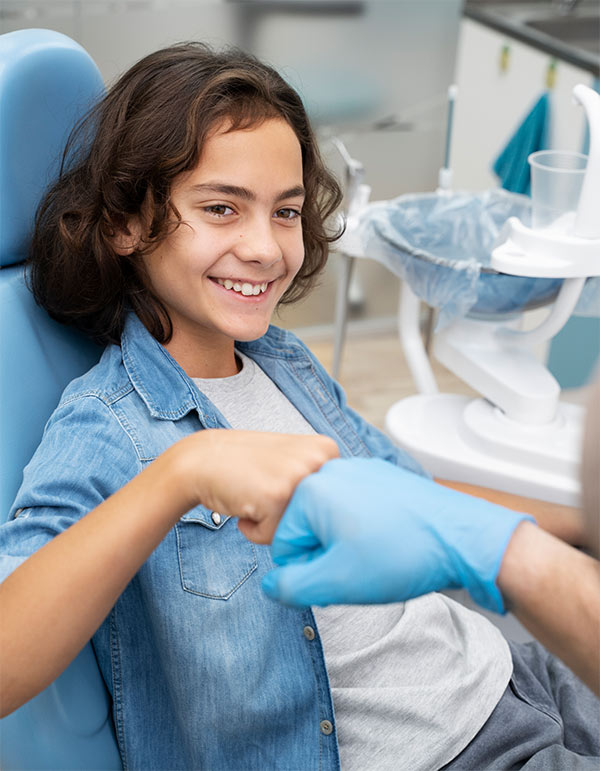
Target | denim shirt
(204,670)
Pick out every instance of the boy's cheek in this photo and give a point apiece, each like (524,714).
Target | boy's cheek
(298,258)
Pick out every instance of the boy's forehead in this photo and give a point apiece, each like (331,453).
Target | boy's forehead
(268,153)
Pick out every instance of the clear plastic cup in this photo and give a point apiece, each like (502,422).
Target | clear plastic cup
(556,180)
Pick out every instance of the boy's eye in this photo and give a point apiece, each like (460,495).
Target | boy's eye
(219,210)
(287,214)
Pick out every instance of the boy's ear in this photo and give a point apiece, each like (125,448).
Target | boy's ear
(125,239)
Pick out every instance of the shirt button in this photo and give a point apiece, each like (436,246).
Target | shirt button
(326,727)
(216,517)
(309,633)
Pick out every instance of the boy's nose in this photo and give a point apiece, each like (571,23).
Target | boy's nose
(257,243)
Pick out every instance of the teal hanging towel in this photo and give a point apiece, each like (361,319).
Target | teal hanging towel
(511,165)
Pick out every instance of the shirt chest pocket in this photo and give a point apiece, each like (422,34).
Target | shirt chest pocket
(214,557)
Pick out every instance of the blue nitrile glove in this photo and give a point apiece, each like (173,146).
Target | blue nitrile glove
(365,531)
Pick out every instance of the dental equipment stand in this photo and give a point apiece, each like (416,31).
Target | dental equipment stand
(519,438)
(349,290)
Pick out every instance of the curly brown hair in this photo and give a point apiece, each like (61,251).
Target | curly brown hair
(125,154)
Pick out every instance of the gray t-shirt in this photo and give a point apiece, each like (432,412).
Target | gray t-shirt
(412,683)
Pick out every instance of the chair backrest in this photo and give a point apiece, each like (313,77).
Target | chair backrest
(47,82)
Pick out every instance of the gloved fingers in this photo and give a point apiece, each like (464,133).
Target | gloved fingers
(296,554)
(294,538)
(311,582)
(294,547)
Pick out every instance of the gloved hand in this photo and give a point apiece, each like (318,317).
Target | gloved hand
(365,531)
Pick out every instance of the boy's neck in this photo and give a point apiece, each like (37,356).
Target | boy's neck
(202,361)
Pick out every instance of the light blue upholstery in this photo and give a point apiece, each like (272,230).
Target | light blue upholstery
(47,82)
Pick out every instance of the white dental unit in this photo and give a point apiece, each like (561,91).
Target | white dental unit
(518,436)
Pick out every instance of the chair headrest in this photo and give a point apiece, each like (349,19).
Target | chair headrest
(47,83)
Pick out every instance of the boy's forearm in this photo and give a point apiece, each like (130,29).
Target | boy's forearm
(554,590)
(54,602)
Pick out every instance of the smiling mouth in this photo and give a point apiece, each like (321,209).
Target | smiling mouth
(245,288)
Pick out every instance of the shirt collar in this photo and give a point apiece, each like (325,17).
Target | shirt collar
(166,390)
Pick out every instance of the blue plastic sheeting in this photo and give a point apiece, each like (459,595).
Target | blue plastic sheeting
(441,244)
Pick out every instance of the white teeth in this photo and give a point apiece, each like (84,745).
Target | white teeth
(247,289)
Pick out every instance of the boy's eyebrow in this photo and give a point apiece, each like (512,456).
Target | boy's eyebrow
(243,192)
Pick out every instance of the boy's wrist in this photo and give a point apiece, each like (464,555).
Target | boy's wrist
(181,474)
(185,470)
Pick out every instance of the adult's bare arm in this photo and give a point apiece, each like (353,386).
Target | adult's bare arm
(564,522)
(554,590)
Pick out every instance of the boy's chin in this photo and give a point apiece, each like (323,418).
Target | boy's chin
(257,331)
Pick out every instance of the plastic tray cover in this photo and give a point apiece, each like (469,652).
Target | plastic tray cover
(441,244)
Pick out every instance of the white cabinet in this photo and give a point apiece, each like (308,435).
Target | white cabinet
(492,102)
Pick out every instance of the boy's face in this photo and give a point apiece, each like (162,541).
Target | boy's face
(222,272)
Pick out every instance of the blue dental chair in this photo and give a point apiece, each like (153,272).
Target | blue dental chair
(47,82)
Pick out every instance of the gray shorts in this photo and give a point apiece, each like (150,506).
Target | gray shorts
(547,720)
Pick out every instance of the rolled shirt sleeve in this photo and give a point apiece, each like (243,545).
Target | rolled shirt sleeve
(85,455)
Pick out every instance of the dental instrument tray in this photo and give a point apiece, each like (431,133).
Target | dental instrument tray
(441,244)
